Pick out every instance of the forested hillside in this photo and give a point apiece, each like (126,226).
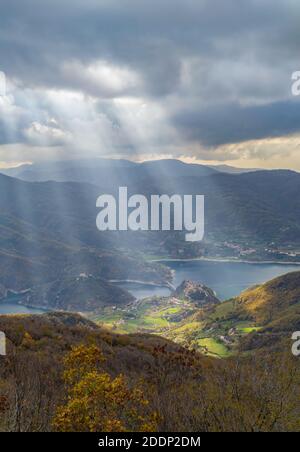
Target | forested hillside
(136,382)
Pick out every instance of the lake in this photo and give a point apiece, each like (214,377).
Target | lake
(11,306)
(144,290)
(15,308)
(227,279)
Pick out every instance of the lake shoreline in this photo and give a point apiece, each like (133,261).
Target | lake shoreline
(225,260)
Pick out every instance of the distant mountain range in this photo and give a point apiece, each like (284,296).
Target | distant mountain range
(92,171)
(233,170)
(256,207)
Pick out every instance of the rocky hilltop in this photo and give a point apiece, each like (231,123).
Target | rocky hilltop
(199,294)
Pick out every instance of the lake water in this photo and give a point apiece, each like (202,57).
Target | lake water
(143,290)
(13,307)
(227,279)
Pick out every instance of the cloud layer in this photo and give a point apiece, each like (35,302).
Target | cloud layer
(200,79)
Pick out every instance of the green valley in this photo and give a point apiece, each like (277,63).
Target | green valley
(260,317)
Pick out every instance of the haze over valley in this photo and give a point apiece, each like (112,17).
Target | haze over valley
(53,256)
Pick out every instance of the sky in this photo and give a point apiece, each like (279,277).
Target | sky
(205,81)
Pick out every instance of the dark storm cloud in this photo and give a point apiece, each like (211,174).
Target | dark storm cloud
(152,37)
(209,55)
(227,124)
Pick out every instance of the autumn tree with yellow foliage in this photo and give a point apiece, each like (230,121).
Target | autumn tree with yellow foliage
(96,402)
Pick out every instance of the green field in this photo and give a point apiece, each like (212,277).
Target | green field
(150,315)
(171,318)
(212,347)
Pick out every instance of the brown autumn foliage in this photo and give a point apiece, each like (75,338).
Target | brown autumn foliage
(64,373)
